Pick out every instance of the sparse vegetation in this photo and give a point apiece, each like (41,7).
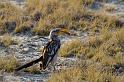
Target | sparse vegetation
(6,40)
(33,69)
(8,63)
(56,12)
(69,75)
(8,13)
(71,48)
(103,49)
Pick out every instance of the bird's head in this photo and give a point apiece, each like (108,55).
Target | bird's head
(60,30)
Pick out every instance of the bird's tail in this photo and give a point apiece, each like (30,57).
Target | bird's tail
(29,64)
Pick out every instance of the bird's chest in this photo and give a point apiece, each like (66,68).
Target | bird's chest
(53,48)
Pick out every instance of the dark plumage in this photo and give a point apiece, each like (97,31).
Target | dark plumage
(50,52)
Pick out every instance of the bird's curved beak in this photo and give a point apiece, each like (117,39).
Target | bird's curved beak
(68,32)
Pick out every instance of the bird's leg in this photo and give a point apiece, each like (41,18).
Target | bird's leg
(41,66)
(53,63)
(54,68)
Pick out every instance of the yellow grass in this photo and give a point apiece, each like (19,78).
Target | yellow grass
(8,63)
(69,75)
(70,48)
(33,69)
(7,40)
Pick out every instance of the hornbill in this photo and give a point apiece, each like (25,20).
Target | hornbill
(49,54)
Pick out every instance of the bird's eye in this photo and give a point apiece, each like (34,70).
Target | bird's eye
(55,33)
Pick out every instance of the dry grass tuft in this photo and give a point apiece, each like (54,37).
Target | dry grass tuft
(8,63)
(70,48)
(69,75)
(7,40)
(33,69)
(9,13)
(119,36)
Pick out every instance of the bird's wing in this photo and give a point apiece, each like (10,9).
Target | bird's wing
(49,52)
(45,48)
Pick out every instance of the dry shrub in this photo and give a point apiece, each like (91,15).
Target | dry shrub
(8,13)
(69,75)
(8,63)
(7,40)
(55,12)
(119,37)
(105,35)
(70,48)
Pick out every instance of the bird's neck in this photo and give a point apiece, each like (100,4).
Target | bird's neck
(54,38)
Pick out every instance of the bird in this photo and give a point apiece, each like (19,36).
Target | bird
(49,54)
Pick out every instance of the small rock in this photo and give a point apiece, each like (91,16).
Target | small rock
(26,50)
